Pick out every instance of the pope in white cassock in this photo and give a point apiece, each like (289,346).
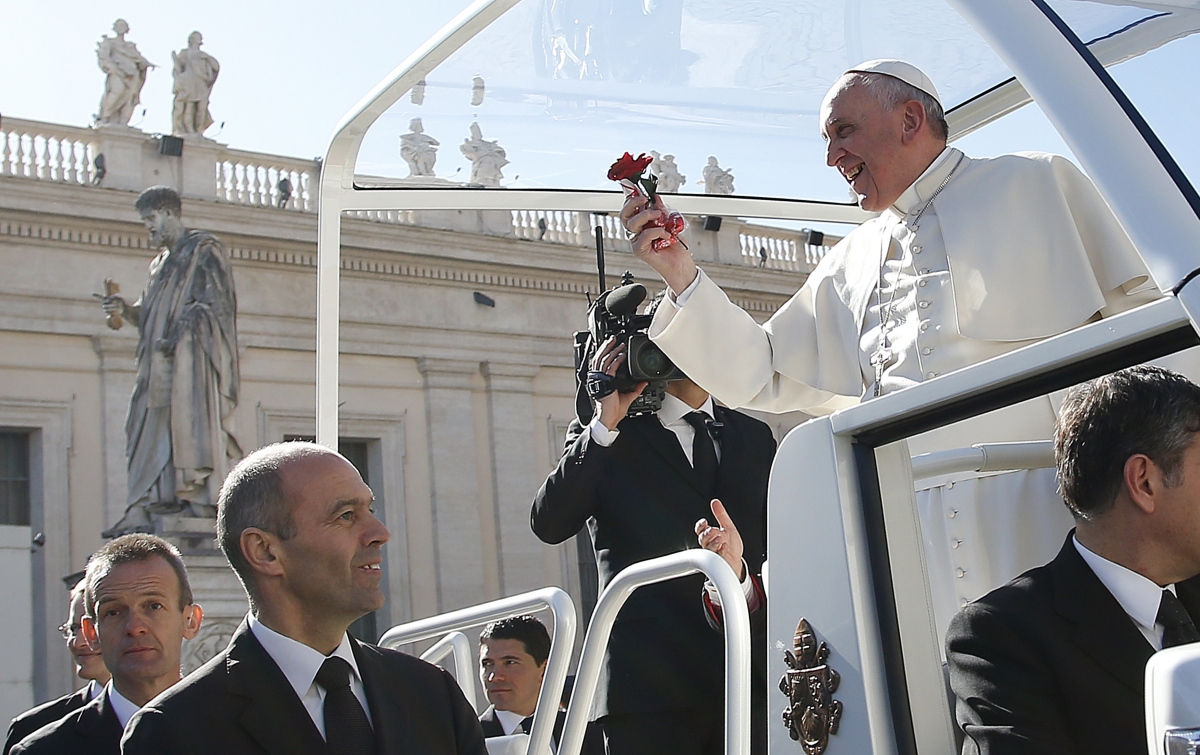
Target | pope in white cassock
(968,259)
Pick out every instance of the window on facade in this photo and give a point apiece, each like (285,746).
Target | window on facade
(356,452)
(14,478)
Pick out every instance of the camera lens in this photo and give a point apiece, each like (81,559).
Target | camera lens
(647,361)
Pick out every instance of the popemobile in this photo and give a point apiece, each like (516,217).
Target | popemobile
(865,570)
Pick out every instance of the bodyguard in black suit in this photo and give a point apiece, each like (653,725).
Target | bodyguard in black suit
(295,521)
(1054,661)
(90,730)
(88,666)
(140,611)
(662,687)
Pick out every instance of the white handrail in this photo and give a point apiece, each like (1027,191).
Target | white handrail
(984,457)
(560,606)
(457,646)
(737,643)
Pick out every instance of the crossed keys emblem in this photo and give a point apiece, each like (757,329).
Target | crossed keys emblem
(809,683)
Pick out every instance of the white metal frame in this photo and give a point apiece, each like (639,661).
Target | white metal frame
(890,638)
(457,646)
(563,611)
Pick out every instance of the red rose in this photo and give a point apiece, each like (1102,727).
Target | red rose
(628,166)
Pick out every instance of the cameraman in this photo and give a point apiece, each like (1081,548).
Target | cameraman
(640,483)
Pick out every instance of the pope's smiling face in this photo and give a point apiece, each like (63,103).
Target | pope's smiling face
(864,141)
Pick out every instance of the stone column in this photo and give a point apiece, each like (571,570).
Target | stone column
(514,474)
(453,487)
(117,374)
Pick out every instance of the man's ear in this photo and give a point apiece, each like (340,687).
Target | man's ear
(87,627)
(1142,479)
(193,615)
(913,117)
(261,550)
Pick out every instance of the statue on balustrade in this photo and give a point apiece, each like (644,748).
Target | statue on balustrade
(717,180)
(126,74)
(195,72)
(487,158)
(418,149)
(667,172)
(179,445)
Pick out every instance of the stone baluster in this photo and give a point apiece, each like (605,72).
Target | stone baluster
(20,169)
(73,162)
(60,160)
(6,158)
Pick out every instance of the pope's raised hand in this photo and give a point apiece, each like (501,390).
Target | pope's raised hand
(673,262)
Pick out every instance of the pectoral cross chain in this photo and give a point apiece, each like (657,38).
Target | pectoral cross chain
(881,360)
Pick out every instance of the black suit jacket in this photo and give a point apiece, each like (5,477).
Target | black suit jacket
(240,702)
(46,713)
(90,730)
(1051,663)
(640,499)
(593,742)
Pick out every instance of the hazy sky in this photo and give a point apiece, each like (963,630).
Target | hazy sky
(290,70)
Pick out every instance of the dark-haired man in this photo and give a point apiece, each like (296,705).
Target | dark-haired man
(178,441)
(89,665)
(1053,662)
(297,524)
(638,484)
(512,665)
(140,610)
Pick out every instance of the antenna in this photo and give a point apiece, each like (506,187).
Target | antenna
(600,249)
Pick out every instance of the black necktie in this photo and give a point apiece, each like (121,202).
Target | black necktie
(1178,628)
(527,724)
(347,728)
(704,456)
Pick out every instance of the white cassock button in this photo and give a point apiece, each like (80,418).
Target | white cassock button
(925,326)
(953,513)
(955,543)
(927,351)
(923,304)
(924,271)
(916,250)
(961,573)
(931,374)
(922,282)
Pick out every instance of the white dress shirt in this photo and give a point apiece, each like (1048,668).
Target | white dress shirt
(120,705)
(300,664)
(1138,595)
(510,722)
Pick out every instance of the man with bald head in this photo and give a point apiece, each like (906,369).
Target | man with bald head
(297,524)
(967,259)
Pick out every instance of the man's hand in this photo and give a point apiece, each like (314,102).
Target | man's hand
(674,263)
(114,304)
(612,408)
(724,539)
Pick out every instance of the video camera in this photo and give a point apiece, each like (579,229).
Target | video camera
(614,313)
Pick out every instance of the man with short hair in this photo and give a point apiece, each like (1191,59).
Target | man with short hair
(297,524)
(937,281)
(1054,661)
(139,611)
(512,665)
(89,665)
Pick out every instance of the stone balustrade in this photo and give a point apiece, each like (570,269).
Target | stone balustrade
(132,160)
(266,180)
(47,152)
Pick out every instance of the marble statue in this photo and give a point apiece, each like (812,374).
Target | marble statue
(487,158)
(195,72)
(126,74)
(179,445)
(667,172)
(716,179)
(477,90)
(418,149)
(418,93)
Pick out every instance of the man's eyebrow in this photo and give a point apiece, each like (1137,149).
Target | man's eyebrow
(344,502)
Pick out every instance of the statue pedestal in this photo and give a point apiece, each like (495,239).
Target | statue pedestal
(214,586)
(132,162)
